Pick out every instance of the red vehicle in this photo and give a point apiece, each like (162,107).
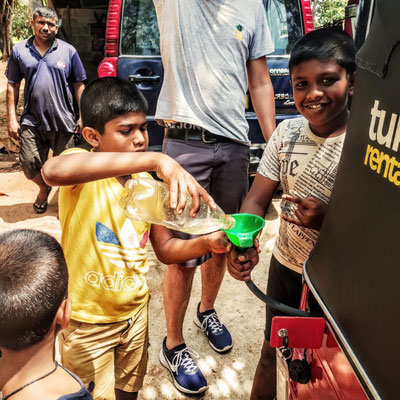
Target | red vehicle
(350,351)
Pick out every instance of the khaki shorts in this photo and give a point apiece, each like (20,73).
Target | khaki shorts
(110,355)
(35,146)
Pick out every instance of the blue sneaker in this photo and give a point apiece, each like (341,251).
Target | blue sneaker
(186,374)
(218,335)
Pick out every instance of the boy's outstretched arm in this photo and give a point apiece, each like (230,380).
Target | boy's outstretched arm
(310,211)
(172,250)
(82,167)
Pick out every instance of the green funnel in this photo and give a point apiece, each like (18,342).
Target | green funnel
(245,229)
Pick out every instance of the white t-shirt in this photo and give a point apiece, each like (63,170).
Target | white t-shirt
(205,46)
(305,165)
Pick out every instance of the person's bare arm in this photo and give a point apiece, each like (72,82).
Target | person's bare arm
(172,250)
(12,102)
(78,88)
(262,95)
(82,167)
(260,196)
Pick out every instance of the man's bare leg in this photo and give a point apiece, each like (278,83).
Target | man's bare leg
(44,190)
(212,274)
(264,384)
(206,318)
(187,376)
(176,292)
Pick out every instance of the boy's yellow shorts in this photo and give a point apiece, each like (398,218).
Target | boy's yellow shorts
(110,355)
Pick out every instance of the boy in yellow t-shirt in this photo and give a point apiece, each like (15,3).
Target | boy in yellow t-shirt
(106,341)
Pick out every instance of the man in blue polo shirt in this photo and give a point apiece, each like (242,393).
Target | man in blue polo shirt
(52,71)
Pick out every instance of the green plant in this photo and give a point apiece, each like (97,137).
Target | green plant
(21,27)
(327,12)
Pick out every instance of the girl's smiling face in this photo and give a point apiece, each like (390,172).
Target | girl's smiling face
(320,92)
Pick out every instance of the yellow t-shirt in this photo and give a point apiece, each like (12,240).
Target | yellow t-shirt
(105,251)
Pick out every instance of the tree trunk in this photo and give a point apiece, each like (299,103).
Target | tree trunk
(6,18)
(314,7)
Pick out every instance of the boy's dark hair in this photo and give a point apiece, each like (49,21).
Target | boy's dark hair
(33,284)
(325,45)
(45,12)
(104,99)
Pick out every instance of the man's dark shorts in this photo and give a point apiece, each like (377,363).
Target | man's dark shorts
(222,168)
(35,146)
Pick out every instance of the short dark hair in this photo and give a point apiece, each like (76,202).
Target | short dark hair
(325,45)
(45,12)
(104,99)
(33,284)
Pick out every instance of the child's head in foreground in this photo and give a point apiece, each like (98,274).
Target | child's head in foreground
(113,114)
(33,288)
(322,66)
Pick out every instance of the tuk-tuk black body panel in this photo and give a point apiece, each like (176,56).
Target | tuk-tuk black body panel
(355,265)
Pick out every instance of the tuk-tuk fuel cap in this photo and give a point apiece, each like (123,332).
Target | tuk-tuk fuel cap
(300,371)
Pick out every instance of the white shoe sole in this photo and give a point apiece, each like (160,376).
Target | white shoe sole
(224,350)
(165,364)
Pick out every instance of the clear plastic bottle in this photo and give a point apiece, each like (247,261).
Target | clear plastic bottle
(148,200)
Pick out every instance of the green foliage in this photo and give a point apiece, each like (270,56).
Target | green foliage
(327,12)
(21,27)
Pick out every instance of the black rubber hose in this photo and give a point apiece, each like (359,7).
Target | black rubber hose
(276,305)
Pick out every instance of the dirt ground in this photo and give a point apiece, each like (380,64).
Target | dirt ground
(230,375)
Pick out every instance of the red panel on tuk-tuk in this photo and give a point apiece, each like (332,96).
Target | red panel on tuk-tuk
(306,332)
(332,377)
